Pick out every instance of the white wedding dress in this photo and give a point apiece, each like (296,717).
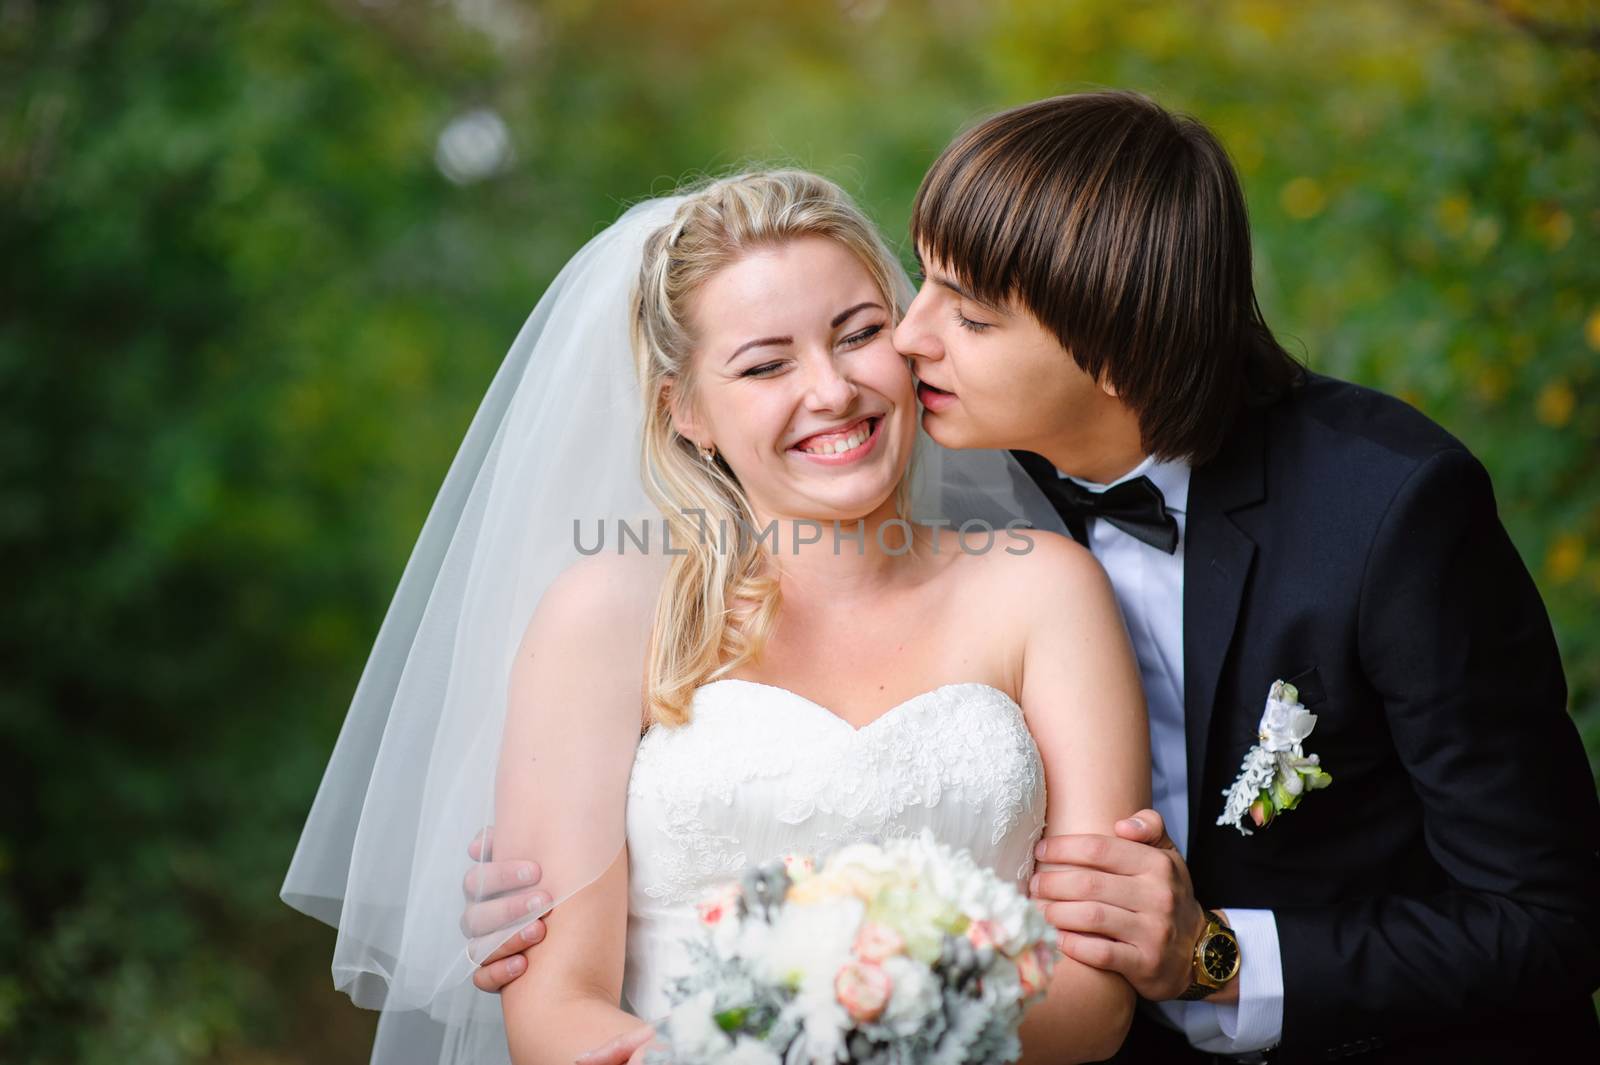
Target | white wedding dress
(760,772)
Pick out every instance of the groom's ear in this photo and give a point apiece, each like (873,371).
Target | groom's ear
(1107,386)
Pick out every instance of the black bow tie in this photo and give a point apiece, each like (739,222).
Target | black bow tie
(1136,507)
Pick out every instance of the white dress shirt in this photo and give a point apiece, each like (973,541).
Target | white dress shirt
(1149,587)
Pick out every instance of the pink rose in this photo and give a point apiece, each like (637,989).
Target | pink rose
(719,905)
(982,934)
(876,942)
(862,988)
(1031,971)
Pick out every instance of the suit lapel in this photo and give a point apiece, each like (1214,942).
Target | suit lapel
(1217,560)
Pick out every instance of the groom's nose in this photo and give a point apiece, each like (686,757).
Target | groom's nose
(913,336)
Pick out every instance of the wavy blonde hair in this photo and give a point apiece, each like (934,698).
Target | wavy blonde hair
(720,600)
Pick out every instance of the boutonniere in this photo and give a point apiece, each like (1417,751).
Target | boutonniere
(1276,772)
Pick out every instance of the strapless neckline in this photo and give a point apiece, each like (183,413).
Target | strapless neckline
(760,772)
(904,704)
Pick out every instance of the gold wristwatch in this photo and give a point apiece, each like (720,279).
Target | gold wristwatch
(1216,959)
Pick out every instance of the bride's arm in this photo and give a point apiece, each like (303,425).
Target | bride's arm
(1085,707)
(572,725)
(567,1004)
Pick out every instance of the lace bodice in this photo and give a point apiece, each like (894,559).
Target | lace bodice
(760,772)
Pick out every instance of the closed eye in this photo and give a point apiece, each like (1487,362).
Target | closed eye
(967,323)
(854,340)
(861,337)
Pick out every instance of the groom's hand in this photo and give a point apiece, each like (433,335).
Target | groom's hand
(498,895)
(1123,903)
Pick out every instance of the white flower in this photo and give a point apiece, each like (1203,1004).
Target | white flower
(825,1023)
(916,996)
(749,1051)
(1019,920)
(807,943)
(741,939)
(921,917)
(1285,724)
(863,863)
(1275,772)
(695,1035)
(1002,986)
(985,897)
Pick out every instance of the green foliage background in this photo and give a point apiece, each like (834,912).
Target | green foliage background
(245,319)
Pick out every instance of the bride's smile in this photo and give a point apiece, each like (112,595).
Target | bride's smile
(839,447)
(795,383)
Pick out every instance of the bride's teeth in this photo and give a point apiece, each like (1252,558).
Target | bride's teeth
(839,447)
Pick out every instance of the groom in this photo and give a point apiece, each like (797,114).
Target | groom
(1088,303)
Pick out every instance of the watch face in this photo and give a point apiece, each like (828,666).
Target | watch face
(1220,957)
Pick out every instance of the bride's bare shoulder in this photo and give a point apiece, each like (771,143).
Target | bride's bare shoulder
(1025,566)
(604,594)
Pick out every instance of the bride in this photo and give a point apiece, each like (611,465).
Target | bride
(777,661)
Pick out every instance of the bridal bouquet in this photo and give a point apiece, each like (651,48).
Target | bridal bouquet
(884,955)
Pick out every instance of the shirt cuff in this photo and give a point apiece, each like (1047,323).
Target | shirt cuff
(1256,1021)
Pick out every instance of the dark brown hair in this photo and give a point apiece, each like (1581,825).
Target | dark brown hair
(1121,227)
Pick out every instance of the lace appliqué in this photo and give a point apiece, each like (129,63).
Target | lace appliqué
(760,767)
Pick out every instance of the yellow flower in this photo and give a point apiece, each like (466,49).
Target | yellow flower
(1303,198)
(1493,381)
(1455,212)
(1555,403)
(1485,232)
(1565,558)
(817,888)
(1557,229)
(864,884)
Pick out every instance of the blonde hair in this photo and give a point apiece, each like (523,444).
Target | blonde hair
(720,600)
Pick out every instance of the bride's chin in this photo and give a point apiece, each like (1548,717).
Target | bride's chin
(834,499)
(848,512)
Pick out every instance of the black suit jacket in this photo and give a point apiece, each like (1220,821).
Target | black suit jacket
(1441,900)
